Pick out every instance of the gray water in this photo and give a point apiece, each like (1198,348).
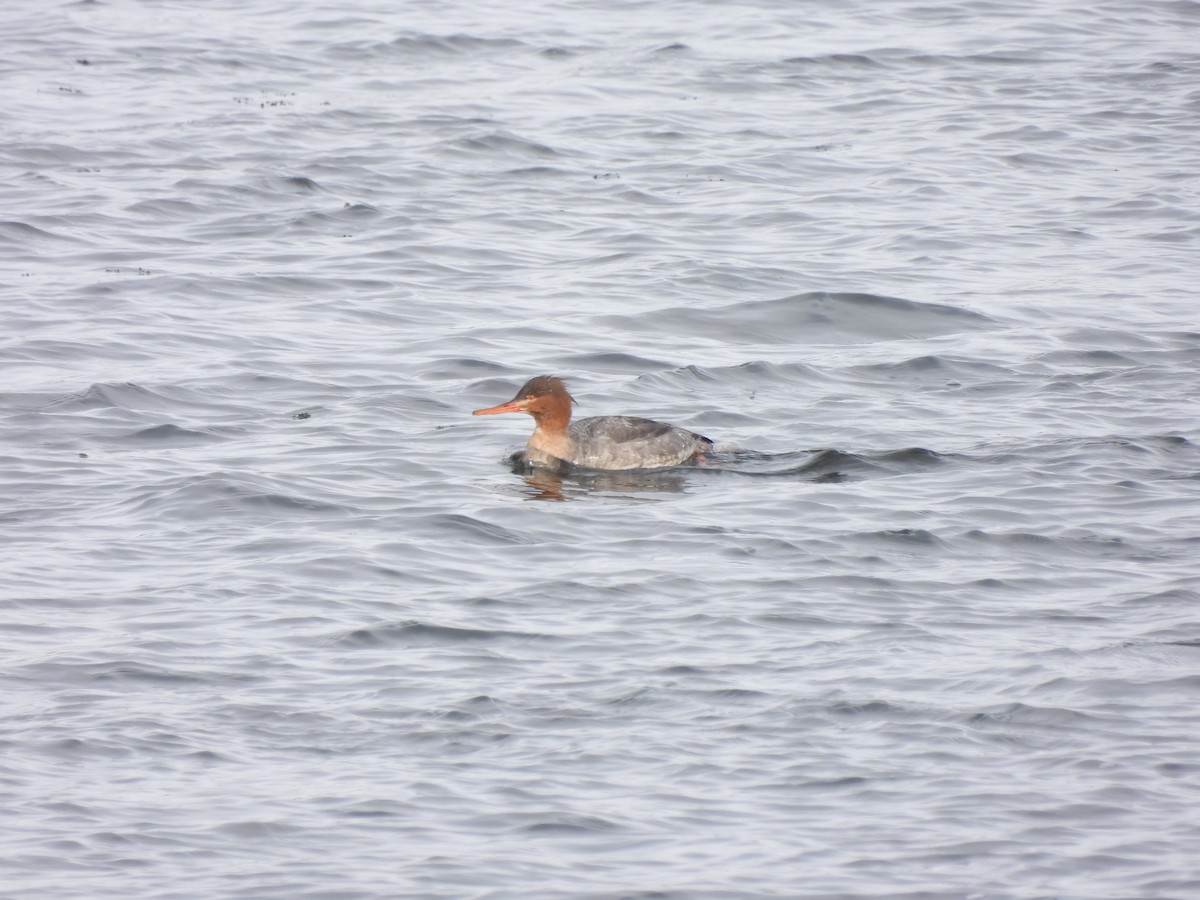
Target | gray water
(279,620)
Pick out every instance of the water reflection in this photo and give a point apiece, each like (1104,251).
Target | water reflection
(825,466)
(572,484)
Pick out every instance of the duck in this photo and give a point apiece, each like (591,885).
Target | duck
(596,442)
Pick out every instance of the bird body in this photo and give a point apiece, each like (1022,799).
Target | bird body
(597,442)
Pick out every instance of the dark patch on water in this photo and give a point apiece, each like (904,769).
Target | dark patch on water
(421,634)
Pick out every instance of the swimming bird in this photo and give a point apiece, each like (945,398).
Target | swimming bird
(598,442)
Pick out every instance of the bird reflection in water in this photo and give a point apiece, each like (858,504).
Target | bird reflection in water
(571,484)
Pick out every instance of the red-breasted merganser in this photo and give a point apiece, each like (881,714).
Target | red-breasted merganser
(600,442)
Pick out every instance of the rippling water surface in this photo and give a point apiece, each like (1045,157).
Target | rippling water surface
(279,620)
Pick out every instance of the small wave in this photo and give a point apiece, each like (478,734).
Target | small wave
(1026,715)
(419,47)
(462,526)
(873,709)
(374,809)
(259,831)
(912,537)
(836,61)
(217,495)
(1125,456)
(936,368)
(753,375)
(570,825)
(1089,358)
(121,672)
(1026,134)
(160,401)
(1053,546)
(42,154)
(453,43)
(610,362)
(826,465)
(169,435)
(115,350)
(1179,598)
(112,395)
(421,634)
(317,220)
(501,142)
(813,318)
(22,235)
(296,183)
(166,209)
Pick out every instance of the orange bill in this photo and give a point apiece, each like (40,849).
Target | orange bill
(510,406)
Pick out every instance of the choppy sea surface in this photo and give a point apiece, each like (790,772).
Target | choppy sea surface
(278,620)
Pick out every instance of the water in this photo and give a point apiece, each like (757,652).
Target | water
(280,622)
